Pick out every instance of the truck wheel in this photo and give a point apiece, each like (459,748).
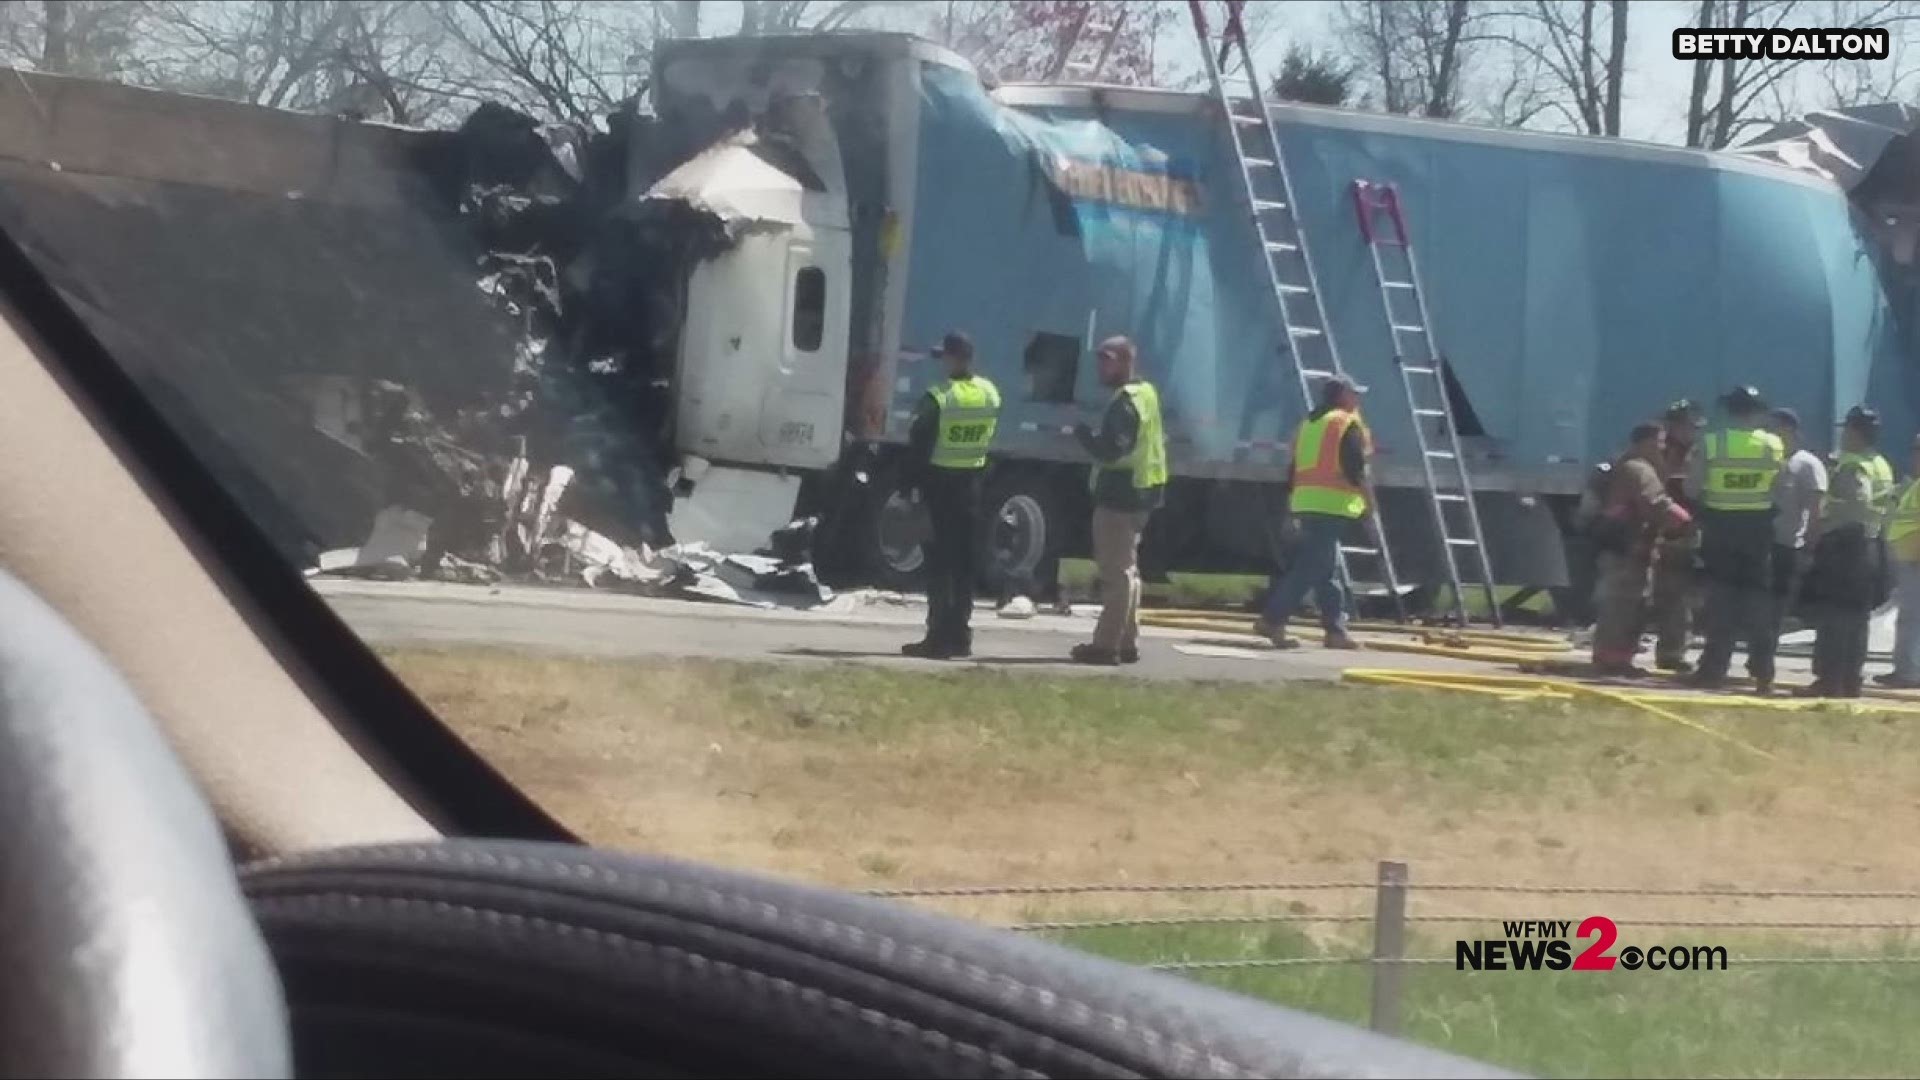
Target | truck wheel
(891,531)
(1024,531)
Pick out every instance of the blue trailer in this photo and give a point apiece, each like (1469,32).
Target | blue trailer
(1577,285)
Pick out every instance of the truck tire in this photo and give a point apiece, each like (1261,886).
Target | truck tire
(888,532)
(1024,532)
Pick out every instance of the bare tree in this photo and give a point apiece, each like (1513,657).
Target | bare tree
(270,53)
(762,17)
(1840,83)
(1014,40)
(95,38)
(1414,54)
(684,17)
(1580,47)
(1731,95)
(571,60)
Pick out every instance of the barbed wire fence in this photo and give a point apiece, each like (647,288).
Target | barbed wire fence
(1387,961)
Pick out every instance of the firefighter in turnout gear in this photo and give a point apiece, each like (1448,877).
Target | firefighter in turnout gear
(1634,514)
(948,443)
(1129,483)
(1732,477)
(1848,561)
(1675,585)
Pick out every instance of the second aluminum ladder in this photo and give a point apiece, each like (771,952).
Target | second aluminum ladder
(1423,376)
(1283,246)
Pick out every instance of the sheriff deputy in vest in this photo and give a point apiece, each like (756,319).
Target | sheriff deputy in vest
(1129,483)
(951,433)
(1330,492)
(1847,562)
(1732,478)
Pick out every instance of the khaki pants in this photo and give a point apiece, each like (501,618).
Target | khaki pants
(1116,552)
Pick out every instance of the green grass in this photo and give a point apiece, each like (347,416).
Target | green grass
(1473,744)
(873,776)
(1760,1020)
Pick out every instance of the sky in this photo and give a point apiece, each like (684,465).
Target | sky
(1653,105)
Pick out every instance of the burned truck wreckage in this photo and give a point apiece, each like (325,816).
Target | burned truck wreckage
(444,354)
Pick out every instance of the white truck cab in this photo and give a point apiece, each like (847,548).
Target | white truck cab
(761,374)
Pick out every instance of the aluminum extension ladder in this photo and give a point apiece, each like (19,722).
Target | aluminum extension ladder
(1288,264)
(1084,54)
(1422,375)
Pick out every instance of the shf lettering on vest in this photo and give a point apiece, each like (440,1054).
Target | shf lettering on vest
(969,413)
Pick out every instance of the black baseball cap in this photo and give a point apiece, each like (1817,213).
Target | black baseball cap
(1743,397)
(1786,417)
(1336,383)
(1863,418)
(956,345)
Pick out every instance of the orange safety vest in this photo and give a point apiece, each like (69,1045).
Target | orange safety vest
(1320,486)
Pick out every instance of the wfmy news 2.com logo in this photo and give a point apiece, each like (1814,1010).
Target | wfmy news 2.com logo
(1548,945)
(1864,43)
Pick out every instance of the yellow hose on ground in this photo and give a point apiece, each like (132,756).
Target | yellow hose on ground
(1532,654)
(1542,688)
(1413,679)
(1510,688)
(1504,637)
(1455,644)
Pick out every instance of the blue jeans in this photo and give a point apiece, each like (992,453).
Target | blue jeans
(1316,569)
(1906,627)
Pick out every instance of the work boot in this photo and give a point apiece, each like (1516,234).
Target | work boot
(1763,688)
(1893,680)
(1814,690)
(1130,654)
(1094,655)
(935,650)
(1676,664)
(1341,640)
(1701,680)
(1277,635)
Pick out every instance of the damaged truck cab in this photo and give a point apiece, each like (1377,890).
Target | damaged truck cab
(761,368)
(761,363)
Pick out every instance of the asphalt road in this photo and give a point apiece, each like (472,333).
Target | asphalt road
(581,622)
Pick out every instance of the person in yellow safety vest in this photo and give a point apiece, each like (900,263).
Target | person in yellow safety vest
(947,444)
(1903,546)
(1847,559)
(1732,477)
(1330,492)
(1129,483)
